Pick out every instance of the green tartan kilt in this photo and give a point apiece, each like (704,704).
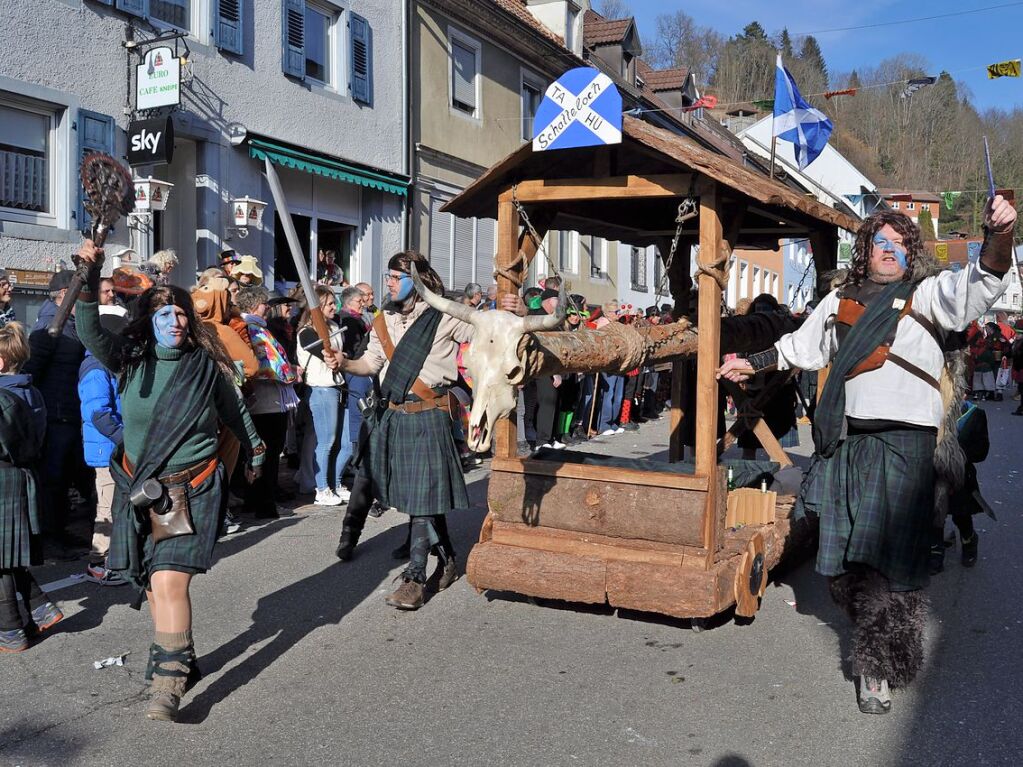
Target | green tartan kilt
(19,519)
(413,463)
(131,546)
(875,500)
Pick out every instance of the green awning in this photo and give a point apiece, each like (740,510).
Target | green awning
(328,167)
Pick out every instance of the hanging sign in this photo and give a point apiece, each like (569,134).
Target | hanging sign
(150,141)
(581,108)
(1004,69)
(158,80)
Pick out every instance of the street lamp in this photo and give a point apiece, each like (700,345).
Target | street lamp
(246,212)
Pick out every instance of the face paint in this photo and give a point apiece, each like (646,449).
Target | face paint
(404,287)
(165,327)
(887,245)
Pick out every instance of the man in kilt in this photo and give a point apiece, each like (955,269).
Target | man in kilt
(410,461)
(876,427)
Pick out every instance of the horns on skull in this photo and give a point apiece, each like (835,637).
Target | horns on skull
(533,323)
(441,304)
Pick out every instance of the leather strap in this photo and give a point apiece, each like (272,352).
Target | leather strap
(909,367)
(195,475)
(420,389)
(438,402)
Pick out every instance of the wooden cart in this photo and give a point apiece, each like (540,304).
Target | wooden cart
(651,538)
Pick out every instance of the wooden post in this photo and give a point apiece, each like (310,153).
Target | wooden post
(708,358)
(505,430)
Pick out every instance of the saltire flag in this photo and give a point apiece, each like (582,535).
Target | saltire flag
(794,120)
(912,86)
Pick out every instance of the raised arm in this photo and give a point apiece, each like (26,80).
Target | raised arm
(103,344)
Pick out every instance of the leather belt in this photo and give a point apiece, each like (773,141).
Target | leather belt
(194,475)
(440,402)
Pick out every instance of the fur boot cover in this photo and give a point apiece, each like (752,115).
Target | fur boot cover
(889,632)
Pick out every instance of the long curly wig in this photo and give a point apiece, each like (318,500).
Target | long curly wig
(137,340)
(911,241)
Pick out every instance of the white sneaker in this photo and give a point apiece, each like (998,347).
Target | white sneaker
(343,494)
(619,430)
(608,433)
(326,497)
(558,445)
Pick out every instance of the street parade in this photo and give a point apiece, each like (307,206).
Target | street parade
(542,381)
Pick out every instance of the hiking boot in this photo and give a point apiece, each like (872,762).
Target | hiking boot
(46,616)
(376,510)
(445,574)
(936,558)
(158,655)
(970,551)
(346,545)
(408,596)
(171,674)
(13,640)
(874,696)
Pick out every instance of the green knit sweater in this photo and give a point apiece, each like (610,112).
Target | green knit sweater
(141,393)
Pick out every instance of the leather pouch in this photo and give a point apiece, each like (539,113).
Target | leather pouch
(177,520)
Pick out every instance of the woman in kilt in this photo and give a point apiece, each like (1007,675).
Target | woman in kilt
(176,383)
(411,461)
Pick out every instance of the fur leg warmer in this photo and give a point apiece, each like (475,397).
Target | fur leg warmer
(888,639)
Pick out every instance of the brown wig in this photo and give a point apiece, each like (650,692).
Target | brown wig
(401,262)
(138,341)
(325,296)
(864,244)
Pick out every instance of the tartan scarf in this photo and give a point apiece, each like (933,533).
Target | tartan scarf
(409,355)
(273,360)
(869,332)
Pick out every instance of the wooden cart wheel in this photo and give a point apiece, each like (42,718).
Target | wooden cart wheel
(750,578)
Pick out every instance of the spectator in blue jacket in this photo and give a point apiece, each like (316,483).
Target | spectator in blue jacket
(102,429)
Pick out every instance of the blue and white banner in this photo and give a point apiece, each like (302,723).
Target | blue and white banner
(796,121)
(581,108)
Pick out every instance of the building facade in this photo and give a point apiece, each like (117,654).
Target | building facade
(320,87)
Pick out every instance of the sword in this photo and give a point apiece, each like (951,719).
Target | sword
(990,173)
(319,321)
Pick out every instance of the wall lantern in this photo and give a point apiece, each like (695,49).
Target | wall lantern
(151,194)
(247,212)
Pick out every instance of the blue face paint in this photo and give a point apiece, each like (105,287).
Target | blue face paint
(165,327)
(888,246)
(404,287)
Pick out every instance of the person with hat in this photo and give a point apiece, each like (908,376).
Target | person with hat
(228,260)
(53,365)
(247,272)
(6,310)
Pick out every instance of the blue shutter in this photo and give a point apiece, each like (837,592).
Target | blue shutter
(95,134)
(134,7)
(361,65)
(293,48)
(229,25)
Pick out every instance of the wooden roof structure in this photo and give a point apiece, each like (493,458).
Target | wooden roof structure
(647,157)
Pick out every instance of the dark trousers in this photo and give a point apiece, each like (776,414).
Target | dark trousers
(358,505)
(546,411)
(427,533)
(61,463)
(272,429)
(13,582)
(529,408)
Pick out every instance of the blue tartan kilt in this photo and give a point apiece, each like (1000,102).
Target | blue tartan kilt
(875,500)
(19,519)
(413,463)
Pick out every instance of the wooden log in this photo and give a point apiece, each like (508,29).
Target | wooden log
(613,509)
(545,574)
(675,591)
(509,271)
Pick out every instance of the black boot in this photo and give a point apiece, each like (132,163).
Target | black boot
(970,550)
(346,544)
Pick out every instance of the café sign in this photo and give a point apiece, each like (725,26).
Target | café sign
(158,80)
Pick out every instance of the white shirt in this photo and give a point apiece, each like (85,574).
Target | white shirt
(950,300)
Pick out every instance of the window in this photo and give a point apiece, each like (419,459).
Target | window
(566,252)
(743,284)
(895,205)
(910,206)
(461,249)
(26,149)
(598,258)
(532,94)
(573,16)
(658,270)
(638,269)
(177,13)
(465,70)
(320,57)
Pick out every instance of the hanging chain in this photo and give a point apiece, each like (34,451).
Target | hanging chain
(686,210)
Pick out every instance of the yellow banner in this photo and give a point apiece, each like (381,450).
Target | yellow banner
(1004,69)
(941,252)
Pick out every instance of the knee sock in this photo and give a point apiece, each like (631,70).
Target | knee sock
(172,641)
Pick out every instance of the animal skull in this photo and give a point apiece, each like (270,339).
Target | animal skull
(492,358)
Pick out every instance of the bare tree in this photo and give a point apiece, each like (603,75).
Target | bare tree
(681,42)
(613,9)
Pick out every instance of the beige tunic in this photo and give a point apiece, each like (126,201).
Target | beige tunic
(441,366)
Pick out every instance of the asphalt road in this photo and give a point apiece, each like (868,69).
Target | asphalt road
(306,665)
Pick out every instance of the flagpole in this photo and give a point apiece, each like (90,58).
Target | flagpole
(774,136)
(774,146)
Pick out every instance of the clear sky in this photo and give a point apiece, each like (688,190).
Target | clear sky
(963,45)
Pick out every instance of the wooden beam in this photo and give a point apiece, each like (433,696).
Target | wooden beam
(547,468)
(505,430)
(528,247)
(825,250)
(612,188)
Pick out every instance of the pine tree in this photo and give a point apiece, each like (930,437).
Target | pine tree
(811,56)
(753,31)
(926,223)
(785,44)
